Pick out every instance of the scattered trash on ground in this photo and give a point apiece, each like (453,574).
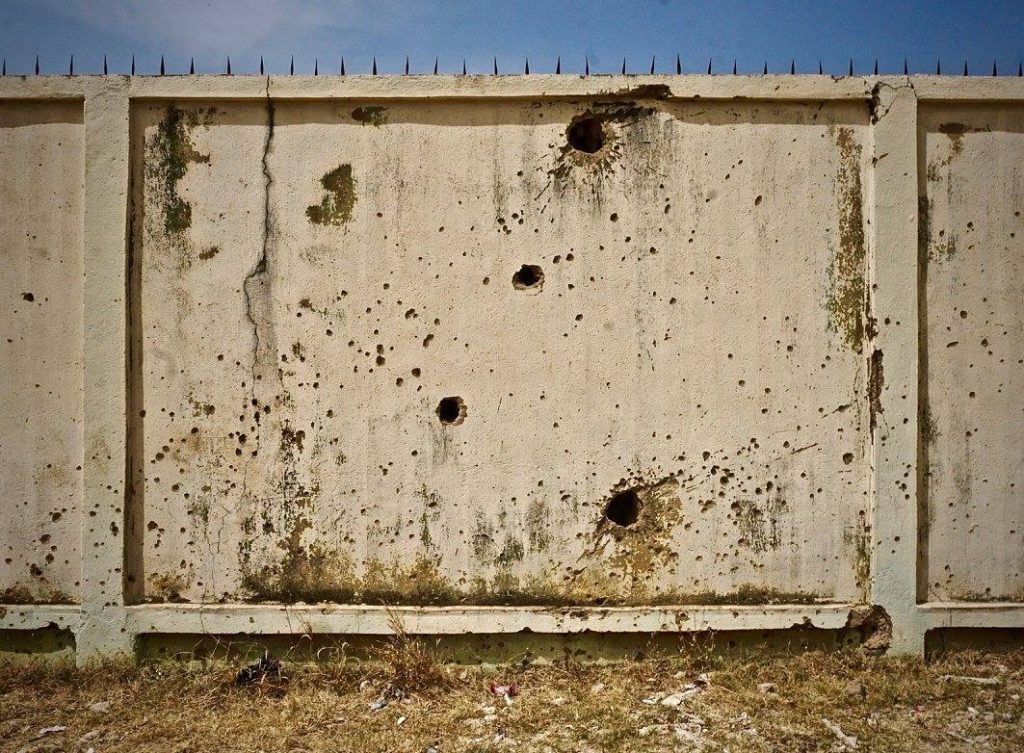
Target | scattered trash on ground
(767,688)
(391,693)
(100,707)
(50,731)
(848,741)
(508,692)
(674,699)
(266,669)
(973,680)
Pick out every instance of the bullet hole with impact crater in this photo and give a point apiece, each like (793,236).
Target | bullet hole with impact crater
(585,134)
(623,509)
(451,411)
(529,277)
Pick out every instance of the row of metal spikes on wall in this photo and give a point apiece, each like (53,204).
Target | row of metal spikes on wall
(526,70)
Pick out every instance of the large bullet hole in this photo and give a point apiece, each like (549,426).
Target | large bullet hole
(586,135)
(451,410)
(623,509)
(529,276)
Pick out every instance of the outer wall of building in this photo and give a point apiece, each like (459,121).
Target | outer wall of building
(548,353)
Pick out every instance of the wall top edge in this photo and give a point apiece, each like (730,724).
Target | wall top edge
(539,86)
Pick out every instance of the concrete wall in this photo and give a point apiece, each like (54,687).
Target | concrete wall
(616,354)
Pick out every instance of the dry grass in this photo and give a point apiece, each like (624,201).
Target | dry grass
(193,707)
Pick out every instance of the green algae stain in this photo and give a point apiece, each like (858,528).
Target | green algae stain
(339,198)
(847,295)
(371,115)
(170,152)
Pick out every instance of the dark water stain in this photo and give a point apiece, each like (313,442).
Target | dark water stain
(374,115)
(847,296)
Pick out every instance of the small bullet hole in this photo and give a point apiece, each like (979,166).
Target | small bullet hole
(586,135)
(28,297)
(451,410)
(848,458)
(623,509)
(528,276)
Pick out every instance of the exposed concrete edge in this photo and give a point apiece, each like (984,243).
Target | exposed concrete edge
(685,87)
(996,614)
(373,620)
(40,616)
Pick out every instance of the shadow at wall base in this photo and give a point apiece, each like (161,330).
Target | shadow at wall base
(48,642)
(943,640)
(522,648)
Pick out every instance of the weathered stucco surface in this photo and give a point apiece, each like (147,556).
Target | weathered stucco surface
(41,177)
(544,354)
(973,257)
(697,336)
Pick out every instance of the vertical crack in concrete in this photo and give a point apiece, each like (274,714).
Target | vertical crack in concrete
(259,272)
(257,278)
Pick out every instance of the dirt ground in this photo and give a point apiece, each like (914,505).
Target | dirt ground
(403,699)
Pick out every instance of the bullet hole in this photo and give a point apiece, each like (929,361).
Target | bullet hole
(529,276)
(28,297)
(848,457)
(757,201)
(623,509)
(451,411)
(586,135)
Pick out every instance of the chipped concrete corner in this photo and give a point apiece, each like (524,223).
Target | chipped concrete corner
(595,354)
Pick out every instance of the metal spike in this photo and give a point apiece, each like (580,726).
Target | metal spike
(527,70)
(734,66)
(71,66)
(679,65)
(994,72)
(906,68)
(965,69)
(342,70)
(435,66)
(876,66)
(375,66)
(623,66)
(229,65)
(261,65)
(316,66)
(161,65)
(652,65)
(938,67)
(192,66)
(406,65)
(820,69)
(586,65)
(37,65)
(133,65)
(495,66)
(764,72)
(792,66)
(851,66)
(709,66)
(463,66)
(291,67)
(558,65)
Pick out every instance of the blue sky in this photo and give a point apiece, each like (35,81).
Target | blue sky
(604,30)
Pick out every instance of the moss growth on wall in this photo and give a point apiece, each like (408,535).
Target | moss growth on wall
(335,208)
